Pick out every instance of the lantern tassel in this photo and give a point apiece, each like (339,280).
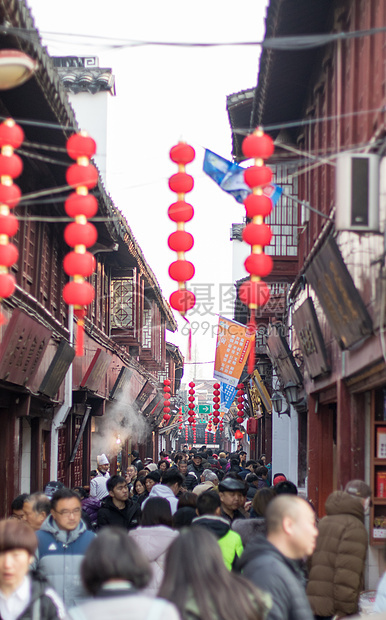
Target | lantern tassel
(80,313)
(3,319)
(189,338)
(252,331)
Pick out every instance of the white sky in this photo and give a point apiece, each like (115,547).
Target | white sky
(165,94)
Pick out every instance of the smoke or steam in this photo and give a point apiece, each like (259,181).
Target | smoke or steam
(121,421)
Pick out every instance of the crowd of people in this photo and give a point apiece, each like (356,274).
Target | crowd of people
(196,535)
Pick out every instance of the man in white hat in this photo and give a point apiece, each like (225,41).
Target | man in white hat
(98,484)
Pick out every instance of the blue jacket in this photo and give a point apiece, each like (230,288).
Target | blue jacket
(59,556)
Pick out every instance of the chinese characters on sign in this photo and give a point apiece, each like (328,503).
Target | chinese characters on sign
(232,349)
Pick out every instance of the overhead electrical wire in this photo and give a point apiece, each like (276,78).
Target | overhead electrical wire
(288,43)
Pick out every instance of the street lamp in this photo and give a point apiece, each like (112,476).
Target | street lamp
(291,392)
(15,68)
(277,402)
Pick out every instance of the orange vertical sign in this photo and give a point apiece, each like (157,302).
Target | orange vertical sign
(232,349)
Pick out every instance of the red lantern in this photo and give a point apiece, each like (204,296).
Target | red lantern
(8,254)
(81,204)
(11,134)
(257,234)
(258,176)
(181,183)
(167,382)
(180,211)
(257,204)
(78,293)
(76,263)
(182,153)
(11,166)
(182,301)
(167,388)
(192,384)
(180,241)
(7,285)
(82,176)
(9,225)
(80,234)
(254,293)
(238,434)
(258,145)
(81,145)
(10,194)
(259,264)
(181,270)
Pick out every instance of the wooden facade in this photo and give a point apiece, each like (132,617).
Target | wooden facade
(327,100)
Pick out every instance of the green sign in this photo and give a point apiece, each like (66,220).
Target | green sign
(204,408)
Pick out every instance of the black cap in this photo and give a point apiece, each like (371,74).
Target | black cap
(52,487)
(231,484)
(197,456)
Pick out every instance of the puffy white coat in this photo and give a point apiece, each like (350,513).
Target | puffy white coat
(154,541)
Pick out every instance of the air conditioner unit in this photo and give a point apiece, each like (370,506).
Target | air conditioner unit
(357,192)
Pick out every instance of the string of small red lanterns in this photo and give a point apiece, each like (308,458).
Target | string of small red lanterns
(80,234)
(180,419)
(255,292)
(216,403)
(191,405)
(240,403)
(166,409)
(181,241)
(11,166)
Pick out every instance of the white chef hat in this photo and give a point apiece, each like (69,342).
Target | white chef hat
(102,459)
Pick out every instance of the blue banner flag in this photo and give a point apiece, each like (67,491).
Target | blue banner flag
(227,396)
(230,177)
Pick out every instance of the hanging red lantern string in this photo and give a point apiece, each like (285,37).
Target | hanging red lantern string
(240,403)
(191,405)
(166,409)
(255,292)
(80,234)
(216,403)
(11,166)
(181,241)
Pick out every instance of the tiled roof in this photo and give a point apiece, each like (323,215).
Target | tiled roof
(86,80)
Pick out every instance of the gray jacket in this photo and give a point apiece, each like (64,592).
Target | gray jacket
(59,556)
(272,572)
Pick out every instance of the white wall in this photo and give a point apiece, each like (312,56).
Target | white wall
(285,445)
(240,251)
(91,113)
(25,478)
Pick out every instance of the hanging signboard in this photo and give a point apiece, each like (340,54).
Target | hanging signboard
(341,302)
(232,349)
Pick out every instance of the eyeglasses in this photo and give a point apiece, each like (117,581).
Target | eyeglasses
(67,513)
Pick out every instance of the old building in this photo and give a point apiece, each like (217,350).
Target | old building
(56,410)
(325,85)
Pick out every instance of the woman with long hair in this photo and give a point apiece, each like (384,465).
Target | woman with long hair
(139,490)
(154,536)
(115,573)
(197,581)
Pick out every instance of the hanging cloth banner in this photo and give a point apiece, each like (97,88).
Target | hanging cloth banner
(227,396)
(230,177)
(232,349)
